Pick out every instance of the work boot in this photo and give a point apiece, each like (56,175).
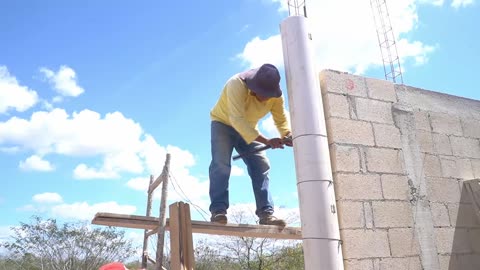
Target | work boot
(271,220)
(220,218)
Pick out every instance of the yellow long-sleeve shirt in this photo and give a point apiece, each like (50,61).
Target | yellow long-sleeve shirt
(237,107)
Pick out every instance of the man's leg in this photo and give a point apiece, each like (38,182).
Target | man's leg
(258,168)
(219,170)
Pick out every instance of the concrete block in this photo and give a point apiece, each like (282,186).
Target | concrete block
(357,186)
(361,244)
(342,83)
(443,190)
(336,105)
(349,131)
(387,136)
(446,124)
(395,187)
(392,214)
(350,215)
(381,89)
(440,215)
(345,158)
(441,144)
(374,110)
(465,147)
(409,263)
(384,160)
(358,264)
(471,128)
(452,240)
(463,215)
(403,242)
(422,120)
(456,168)
(476,167)
(425,141)
(432,166)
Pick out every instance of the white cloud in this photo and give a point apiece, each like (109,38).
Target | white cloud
(462,3)
(344,38)
(268,128)
(36,163)
(438,3)
(237,171)
(47,197)
(114,138)
(139,183)
(85,211)
(64,81)
(82,171)
(13,95)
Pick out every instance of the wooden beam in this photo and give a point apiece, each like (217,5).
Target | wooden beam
(175,241)
(247,230)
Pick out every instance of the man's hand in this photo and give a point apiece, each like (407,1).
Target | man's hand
(287,140)
(275,143)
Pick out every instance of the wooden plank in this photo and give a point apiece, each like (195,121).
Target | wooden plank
(246,230)
(175,263)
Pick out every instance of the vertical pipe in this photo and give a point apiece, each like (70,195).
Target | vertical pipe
(320,230)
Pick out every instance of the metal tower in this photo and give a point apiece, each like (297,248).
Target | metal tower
(386,40)
(297,8)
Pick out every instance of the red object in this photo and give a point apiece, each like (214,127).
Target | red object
(113,266)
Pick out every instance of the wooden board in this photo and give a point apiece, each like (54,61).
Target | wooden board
(246,230)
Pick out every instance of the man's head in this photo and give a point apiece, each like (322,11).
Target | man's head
(263,81)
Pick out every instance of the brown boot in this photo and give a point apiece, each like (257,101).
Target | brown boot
(220,218)
(271,220)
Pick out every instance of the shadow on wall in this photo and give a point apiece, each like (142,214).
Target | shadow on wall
(465,249)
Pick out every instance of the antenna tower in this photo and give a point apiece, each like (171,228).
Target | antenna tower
(386,40)
(297,8)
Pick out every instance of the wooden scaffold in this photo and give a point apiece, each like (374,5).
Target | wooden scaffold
(181,227)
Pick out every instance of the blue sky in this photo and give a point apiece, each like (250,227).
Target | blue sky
(93,94)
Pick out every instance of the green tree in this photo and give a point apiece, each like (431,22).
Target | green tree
(44,244)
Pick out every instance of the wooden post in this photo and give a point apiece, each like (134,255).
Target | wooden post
(175,263)
(145,236)
(181,240)
(187,237)
(162,218)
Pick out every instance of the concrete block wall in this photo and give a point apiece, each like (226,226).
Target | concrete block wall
(400,156)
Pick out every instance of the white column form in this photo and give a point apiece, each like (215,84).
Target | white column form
(318,214)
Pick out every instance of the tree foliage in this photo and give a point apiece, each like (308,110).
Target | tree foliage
(45,244)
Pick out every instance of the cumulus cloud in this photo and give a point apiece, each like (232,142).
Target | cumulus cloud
(268,128)
(345,38)
(85,211)
(114,138)
(237,171)
(64,81)
(36,163)
(13,95)
(47,197)
(462,3)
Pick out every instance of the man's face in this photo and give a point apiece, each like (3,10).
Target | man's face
(260,97)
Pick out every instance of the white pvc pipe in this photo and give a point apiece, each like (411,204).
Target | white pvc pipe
(320,230)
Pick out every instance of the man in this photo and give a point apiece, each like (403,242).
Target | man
(246,98)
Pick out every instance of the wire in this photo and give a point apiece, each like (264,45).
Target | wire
(185,197)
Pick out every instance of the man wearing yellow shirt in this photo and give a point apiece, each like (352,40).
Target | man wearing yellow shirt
(246,98)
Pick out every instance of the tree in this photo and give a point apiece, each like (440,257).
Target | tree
(44,244)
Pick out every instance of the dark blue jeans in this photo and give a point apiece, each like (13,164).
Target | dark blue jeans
(224,139)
